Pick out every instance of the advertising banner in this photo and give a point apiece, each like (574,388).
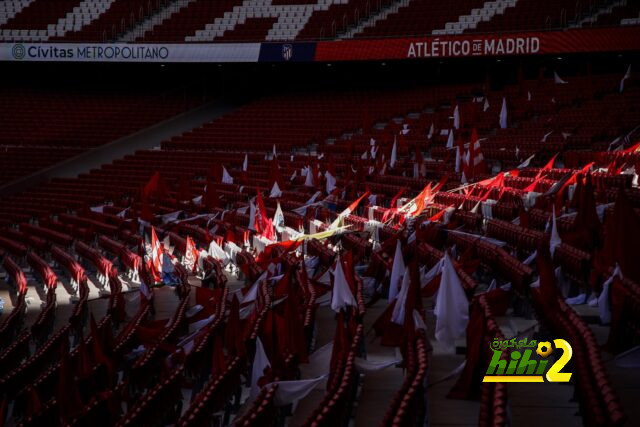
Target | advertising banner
(582,40)
(123,52)
(469,45)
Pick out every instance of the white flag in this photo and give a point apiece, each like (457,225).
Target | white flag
(398,314)
(275,154)
(555,237)
(627,75)
(503,114)
(452,306)
(291,391)
(394,154)
(525,164)
(278,219)
(546,135)
(245,164)
(450,139)
(260,363)
(275,191)
(331,182)
(486,104)
(216,252)
(603,300)
(557,79)
(397,270)
(456,118)
(308,182)
(341,295)
(431,131)
(252,216)
(226,178)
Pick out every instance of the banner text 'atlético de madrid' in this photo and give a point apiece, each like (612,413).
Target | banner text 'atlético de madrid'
(478,47)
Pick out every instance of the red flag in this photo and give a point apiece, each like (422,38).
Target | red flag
(156,255)
(419,200)
(68,398)
(155,186)
(392,204)
(99,353)
(263,224)
(635,147)
(191,255)
(548,166)
(218,363)
(436,217)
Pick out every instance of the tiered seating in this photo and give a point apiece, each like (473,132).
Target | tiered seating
(263,411)
(213,396)
(161,404)
(337,18)
(70,123)
(625,323)
(38,14)
(212,359)
(532,15)
(408,405)
(598,401)
(420,17)
(108,24)
(187,20)
(335,407)
(627,13)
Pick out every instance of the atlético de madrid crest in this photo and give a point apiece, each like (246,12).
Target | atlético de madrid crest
(287,51)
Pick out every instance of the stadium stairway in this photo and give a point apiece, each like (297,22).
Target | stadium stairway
(143,139)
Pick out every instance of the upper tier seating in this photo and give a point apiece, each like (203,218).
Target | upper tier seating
(262,20)
(41,128)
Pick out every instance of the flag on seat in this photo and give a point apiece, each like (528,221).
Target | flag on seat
(503,114)
(331,182)
(156,186)
(474,160)
(397,270)
(275,191)
(394,154)
(626,76)
(456,117)
(352,207)
(226,178)
(341,296)
(452,306)
(278,219)
(558,80)
(191,255)
(555,240)
(260,366)
(156,254)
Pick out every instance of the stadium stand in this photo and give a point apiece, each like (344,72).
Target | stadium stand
(262,20)
(330,249)
(68,124)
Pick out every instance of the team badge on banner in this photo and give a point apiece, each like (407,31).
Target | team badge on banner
(287,51)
